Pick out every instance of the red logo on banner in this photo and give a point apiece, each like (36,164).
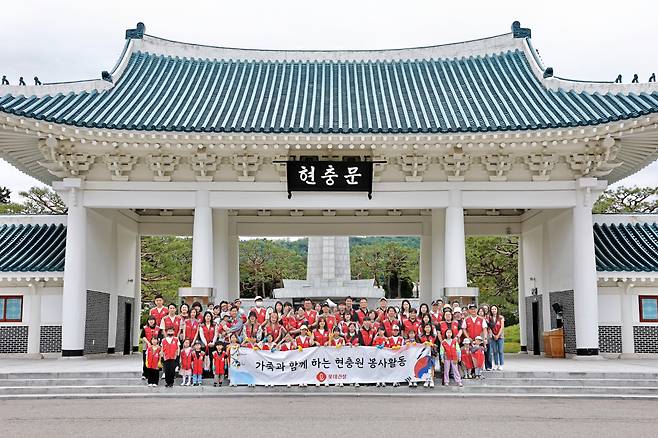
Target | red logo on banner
(321,376)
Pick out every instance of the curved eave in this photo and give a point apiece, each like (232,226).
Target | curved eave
(21,150)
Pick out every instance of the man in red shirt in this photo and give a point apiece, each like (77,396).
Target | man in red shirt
(474,325)
(362,313)
(368,333)
(159,311)
(390,321)
(170,350)
(259,310)
(310,313)
(381,310)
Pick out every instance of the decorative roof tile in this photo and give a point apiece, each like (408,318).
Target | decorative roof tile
(627,247)
(483,93)
(32,248)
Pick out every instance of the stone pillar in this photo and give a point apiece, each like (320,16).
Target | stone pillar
(234,267)
(627,338)
(221,253)
(584,272)
(202,243)
(74,294)
(438,221)
(425,289)
(137,285)
(34,329)
(455,243)
(521,298)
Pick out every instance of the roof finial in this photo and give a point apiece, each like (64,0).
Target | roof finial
(137,33)
(21,81)
(618,80)
(37,81)
(635,79)
(4,80)
(520,32)
(652,78)
(106,76)
(548,73)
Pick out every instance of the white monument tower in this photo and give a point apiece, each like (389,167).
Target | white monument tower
(328,273)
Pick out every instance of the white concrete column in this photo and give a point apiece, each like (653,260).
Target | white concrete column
(34,328)
(202,243)
(425,286)
(137,284)
(522,309)
(584,273)
(221,253)
(627,338)
(112,266)
(74,295)
(438,252)
(455,243)
(234,267)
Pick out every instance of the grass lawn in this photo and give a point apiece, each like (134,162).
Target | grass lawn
(512,339)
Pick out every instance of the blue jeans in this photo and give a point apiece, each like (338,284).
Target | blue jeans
(196,379)
(497,347)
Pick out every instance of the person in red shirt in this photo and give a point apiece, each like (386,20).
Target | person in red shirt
(329,317)
(353,337)
(390,321)
(304,339)
(429,339)
(362,313)
(449,324)
(170,351)
(149,331)
(152,355)
(395,340)
(335,338)
(374,320)
(310,313)
(321,333)
(412,323)
(451,355)
(251,332)
(198,357)
(474,325)
(436,315)
(382,309)
(345,323)
(477,351)
(171,320)
(218,364)
(159,311)
(367,333)
(405,310)
(186,363)
(259,310)
(191,327)
(288,343)
(208,332)
(273,327)
(467,360)
(349,307)
(380,339)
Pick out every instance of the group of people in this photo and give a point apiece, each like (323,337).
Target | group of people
(197,343)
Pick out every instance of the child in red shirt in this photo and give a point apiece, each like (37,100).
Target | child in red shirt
(467,359)
(477,351)
(186,363)
(219,364)
(197,364)
(152,362)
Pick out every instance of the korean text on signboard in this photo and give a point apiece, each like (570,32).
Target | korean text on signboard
(329,176)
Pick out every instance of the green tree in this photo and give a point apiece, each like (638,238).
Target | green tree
(166,266)
(264,264)
(392,264)
(492,266)
(628,200)
(37,200)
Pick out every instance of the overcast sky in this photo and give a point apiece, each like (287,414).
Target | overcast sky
(72,40)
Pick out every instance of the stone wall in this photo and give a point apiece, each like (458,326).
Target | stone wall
(14,339)
(97,321)
(610,339)
(121,319)
(528,309)
(646,338)
(565,299)
(50,340)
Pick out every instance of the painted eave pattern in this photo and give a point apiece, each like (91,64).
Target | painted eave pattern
(626,247)
(497,92)
(32,248)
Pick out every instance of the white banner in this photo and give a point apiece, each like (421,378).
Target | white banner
(330,365)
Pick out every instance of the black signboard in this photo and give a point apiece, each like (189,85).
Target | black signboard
(329,176)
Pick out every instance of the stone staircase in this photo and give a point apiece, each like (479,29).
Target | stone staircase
(508,383)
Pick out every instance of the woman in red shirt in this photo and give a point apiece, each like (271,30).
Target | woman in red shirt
(251,331)
(149,331)
(321,333)
(272,327)
(191,327)
(208,332)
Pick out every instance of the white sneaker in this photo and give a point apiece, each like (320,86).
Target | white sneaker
(340,385)
(396,384)
(317,385)
(431,383)
(288,385)
(500,368)
(426,384)
(356,385)
(326,384)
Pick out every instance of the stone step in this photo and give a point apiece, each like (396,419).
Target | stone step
(571,375)
(103,381)
(208,390)
(577,382)
(71,375)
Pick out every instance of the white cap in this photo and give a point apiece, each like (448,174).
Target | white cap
(457,309)
(478,338)
(258,298)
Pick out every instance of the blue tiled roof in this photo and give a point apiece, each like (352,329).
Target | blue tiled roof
(496,92)
(628,247)
(32,248)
